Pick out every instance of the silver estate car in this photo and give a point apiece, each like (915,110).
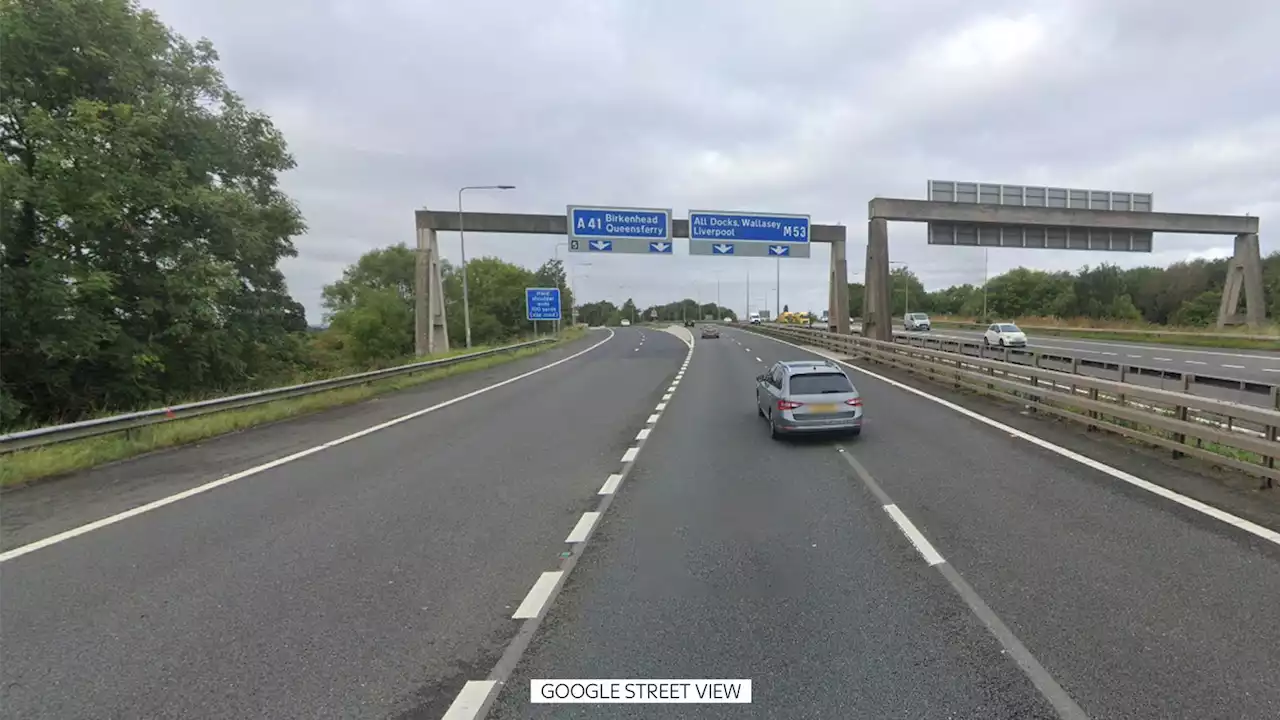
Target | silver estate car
(808,396)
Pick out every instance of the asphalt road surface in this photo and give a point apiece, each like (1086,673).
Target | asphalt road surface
(935,567)
(1253,365)
(728,555)
(359,582)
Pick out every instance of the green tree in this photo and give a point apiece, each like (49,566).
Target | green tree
(596,313)
(1201,310)
(629,310)
(376,327)
(140,220)
(907,291)
(390,268)
(857,296)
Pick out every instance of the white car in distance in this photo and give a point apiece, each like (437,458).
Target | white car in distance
(1004,335)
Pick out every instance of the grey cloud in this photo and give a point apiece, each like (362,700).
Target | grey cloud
(812,106)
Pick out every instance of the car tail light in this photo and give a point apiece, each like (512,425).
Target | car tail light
(856,402)
(788,405)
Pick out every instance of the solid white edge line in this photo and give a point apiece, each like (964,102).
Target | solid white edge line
(917,538)
(611,484)
(583,527)
(169,500)
(536,600)
(466,706)
(644,433)
(1192,503)
(652,419)
(630,454)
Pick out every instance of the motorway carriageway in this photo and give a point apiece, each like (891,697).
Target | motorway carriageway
(1253,365)
(941,565)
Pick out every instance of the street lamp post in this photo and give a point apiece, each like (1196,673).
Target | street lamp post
(906,289)
(777,283)
(557,258)
(462,237)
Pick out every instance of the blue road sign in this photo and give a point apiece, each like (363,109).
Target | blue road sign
(542,303)
(749,227)
(619,230)
(780,250)
(722,249)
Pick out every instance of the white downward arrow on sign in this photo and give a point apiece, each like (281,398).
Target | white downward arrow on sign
(724,248)
(660,247)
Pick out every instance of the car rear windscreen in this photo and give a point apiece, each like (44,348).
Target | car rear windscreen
(819,383)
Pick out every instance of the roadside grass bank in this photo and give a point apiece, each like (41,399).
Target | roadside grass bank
(42,463)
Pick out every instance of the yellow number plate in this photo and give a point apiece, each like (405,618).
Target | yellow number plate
(824,408)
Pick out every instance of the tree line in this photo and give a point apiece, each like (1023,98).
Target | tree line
(1182,294)
(604,312)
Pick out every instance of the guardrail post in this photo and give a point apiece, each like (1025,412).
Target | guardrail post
(1035,381)
(1121,397)
(1093,414)
(1273,434)
(1180,411)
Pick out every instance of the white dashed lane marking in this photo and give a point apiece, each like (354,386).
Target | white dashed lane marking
(472,701)
(611,485)
(580,531)
(538,595)
(469,701)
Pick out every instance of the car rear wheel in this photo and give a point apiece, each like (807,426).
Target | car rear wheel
(773,429)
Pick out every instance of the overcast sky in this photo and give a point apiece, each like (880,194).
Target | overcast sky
(796,106)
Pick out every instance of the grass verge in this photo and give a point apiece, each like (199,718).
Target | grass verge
(28,466)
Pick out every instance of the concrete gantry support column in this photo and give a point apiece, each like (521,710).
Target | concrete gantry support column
(876,323)
(838,293)
(1244,276)
(430,328)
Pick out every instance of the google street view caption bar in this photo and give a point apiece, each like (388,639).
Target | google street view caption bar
(594,229)
(634,691)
